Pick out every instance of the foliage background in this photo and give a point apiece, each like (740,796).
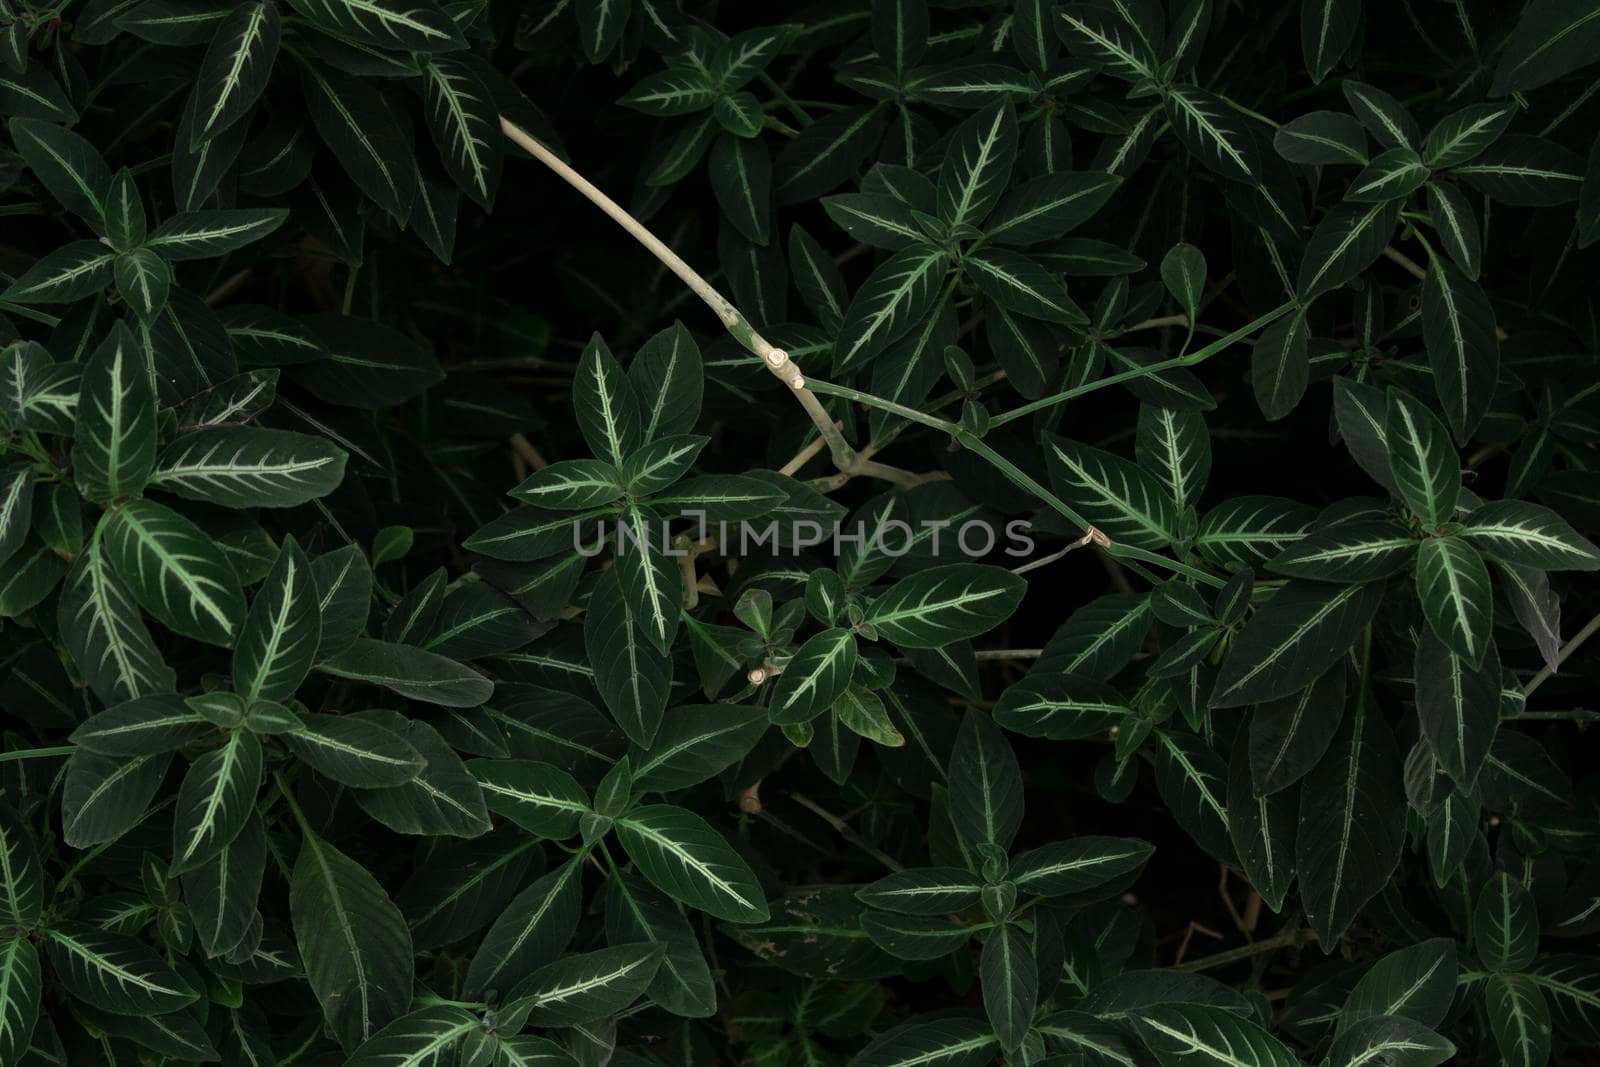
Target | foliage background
(293,235)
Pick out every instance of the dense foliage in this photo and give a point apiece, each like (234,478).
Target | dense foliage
(397,673)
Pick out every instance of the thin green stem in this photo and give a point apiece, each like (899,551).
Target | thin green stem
(790,105)
(1567,649)
(1289,939)
(37,753)
(1199,355)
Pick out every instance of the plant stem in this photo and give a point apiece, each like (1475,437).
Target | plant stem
(773,358)
(1289,939)
(37,753)
(1410,265)
(1561,657)
(842,828)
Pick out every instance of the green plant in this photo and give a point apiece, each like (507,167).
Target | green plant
(324,745)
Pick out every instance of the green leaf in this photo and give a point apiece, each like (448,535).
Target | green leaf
(1347,241)
(217,796)
(814,678)
(1352,824)
(114,450)
(1247,531)
(441,799)
(1360,550)
(632,674)
(144,281)
(606,405)
(637,913)
(16,508)
(1392,175)
(207,234)
(1022,285)
(106,796)
(977,166)
(678,90)
(235,69)
(1384,117)
(1505,925)
(113,972)
(827,153)
(1394,1040)
(537,925)
(1280,365)
(893,299)
(68,166)
(1462,135)
(600,26)
(344,586)
(21,985)
(542,799)
(35,94)
(1176,446)
(1550,40)
(411,672)
(1010,977)
(1261,826)
(222,892)
(875,219)
(923,891)
(1422,459)
(249,467)
(586,986)
(1416,983)
(465,123)
(1194,1034)
(360,126)
(1214,132)
(1327,29)
(1101,35)
(1061,706)
(696,743)
(1291,640)
(429,1037)
(1529,535)
(1193,782)
(1572,985)
(1183,272)
(1322,137)
(1049,207)
(943,604)
(278,642)
(740,170)
(174,571)
(985,784)
(354,752)
(1453,584)
(1457,226)
(668,376)
(36,394)
(1122,499)
(1458,706)
(1522,171)
(353,941)
(1519,1017)
(686,858)
(412,26)
(21,881)
(1078,865)
(945,1042)
(1459,327)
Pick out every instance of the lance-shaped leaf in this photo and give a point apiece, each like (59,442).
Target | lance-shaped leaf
(586,986)
(947,1042)
(697,742)
(1280,367)
(1347,241)
(1458,706)
(411,672)
(606,405)
(21,984)
(1214,132)
(106,796)
(537,925)
(1519,1017)
(1289,735)
(66,164)
(571,485)
(344,597)
(1453,584)
(361,127)
(916,937)
(740,169)
(174,571)
(1392,175)
(1022,285)
(222,892)
(1327,28)
(440,799)
(1176,446)
(1078,865)
(636,913)
(1384,117)
(354,752)
(114,449)
(1100,33)
(1049,207)
(1361,550)
(70,273)
(1060,706)
(1462,135)
(1551,39)
(465,123)
(1303,630)
(1422,460)
(1417,983)
(144,281)
(353,941)
(113,972)
(877,219)
(814,678)
(650,580)
(235,69)
(1010,976)
(1122,499)
(985,783)
(688,859)
(1183,272)
(1201,1034)
(1457,226)
(540,798)
(429,1037)
(634,677)
(923,891)
(1352,824)
(1262,828)
(205,234)
(1459,328)
(1193,782)
(678,90)
(278,643)
(1322,137)
(1392,1039)
(409,26)
(1529,535)
(250,467)
(1505,925)
(668,376)
(21,882)
(1523,171)
(217,796)
(890,302)
(36,394)
(977,166)
(940,605)
(16,508)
